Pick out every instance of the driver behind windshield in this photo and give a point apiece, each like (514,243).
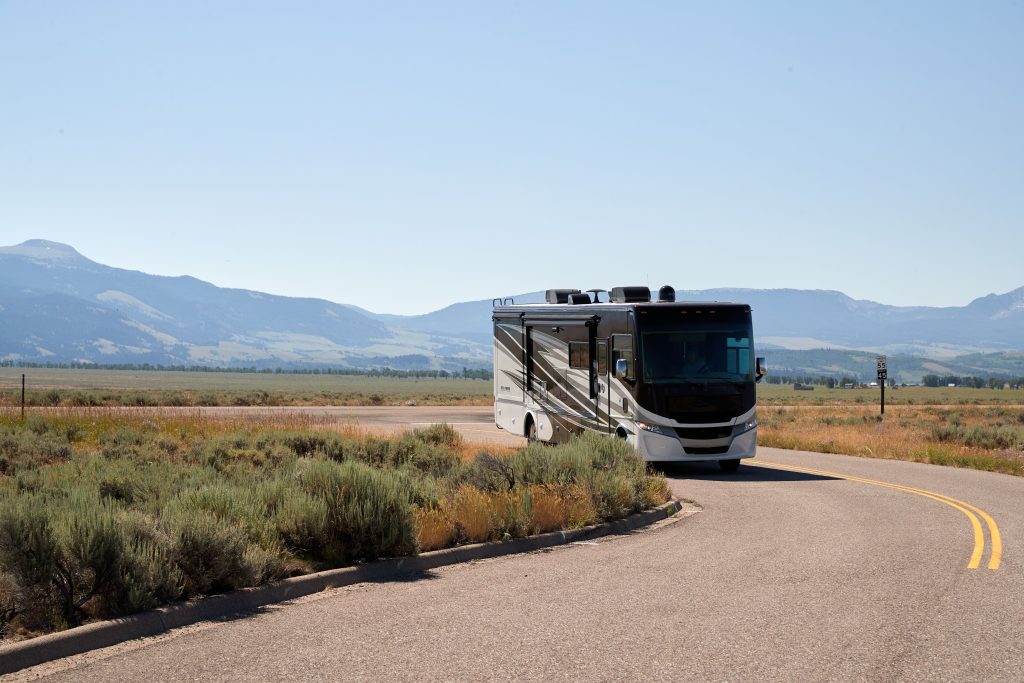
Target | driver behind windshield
(694,360)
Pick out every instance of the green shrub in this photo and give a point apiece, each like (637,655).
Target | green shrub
(439,435)
(309,444)
(93,557)
(239,505)
(301,523)
(991,438)
(149,578)
(264,564)
(210,552)
(369,511)
(29,550)
(490,473)
(83,399)
(512,515)
(614,497)
(233,453)
(60,554)
(10,602)
(121,481)
(28,448)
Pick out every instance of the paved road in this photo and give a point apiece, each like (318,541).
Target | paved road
(782,575)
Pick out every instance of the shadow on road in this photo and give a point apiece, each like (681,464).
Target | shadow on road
(747,473)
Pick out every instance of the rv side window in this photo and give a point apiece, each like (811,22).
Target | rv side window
(622,347)
(602,357)
(579,355)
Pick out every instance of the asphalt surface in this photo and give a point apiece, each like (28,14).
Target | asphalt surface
(782,575)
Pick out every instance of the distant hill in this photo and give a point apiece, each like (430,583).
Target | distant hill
(901,368)
(58,306)
(813,319)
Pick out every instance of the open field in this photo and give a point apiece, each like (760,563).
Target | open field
(977,428)
(105,512)
(51,387)
(784,394)
(984,437)
(58,387)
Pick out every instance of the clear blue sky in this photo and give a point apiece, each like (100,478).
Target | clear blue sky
(405,156)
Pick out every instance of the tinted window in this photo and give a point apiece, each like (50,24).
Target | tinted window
(579,355)
(697,352)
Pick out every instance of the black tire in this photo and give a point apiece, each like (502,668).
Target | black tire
(531,431)
(729,465)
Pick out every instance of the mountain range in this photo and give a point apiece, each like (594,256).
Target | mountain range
(58,306)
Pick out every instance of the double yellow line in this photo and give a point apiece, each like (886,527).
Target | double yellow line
(972,512)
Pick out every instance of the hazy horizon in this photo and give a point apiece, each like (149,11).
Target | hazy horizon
(464,300)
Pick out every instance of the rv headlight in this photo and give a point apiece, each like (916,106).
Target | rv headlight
(743,427)
(653,429)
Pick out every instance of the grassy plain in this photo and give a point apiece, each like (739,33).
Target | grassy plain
(60,387)
(959,427)
(979,428)
(984,437)
(784,394)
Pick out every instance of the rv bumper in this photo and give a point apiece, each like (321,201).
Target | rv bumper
(661,447)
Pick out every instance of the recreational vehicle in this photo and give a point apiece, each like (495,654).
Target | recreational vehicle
(674,379)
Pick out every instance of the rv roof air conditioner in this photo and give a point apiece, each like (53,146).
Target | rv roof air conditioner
(667,294)
(579,298)
(630,295)
(560,296)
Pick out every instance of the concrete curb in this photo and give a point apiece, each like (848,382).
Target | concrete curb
(94,636)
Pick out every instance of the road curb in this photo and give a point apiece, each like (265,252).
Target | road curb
(102,634)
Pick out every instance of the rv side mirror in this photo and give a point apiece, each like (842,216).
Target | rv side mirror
(621,368)
(761,369)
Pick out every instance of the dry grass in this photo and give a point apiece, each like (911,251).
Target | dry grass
(65,387)
(471,512)
(580,510)
(978,437)
(548,509)
(434,528)
(784,394)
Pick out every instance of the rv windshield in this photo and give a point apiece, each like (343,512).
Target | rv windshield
(714,351)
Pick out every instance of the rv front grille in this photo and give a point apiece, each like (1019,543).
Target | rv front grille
(704,432)
(717,450)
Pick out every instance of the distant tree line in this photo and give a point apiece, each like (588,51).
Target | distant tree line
(817,380)
(467,373)
(972,381)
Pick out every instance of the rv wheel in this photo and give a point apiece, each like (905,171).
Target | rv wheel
(729,465)
(531,431)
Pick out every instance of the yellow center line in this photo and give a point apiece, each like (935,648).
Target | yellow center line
(966,508)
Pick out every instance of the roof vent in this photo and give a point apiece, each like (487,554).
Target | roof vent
(630,295)
(667,294)
(579,298)
(560,296)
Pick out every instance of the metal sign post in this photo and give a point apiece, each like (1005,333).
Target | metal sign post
(882,374)
(22,396)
